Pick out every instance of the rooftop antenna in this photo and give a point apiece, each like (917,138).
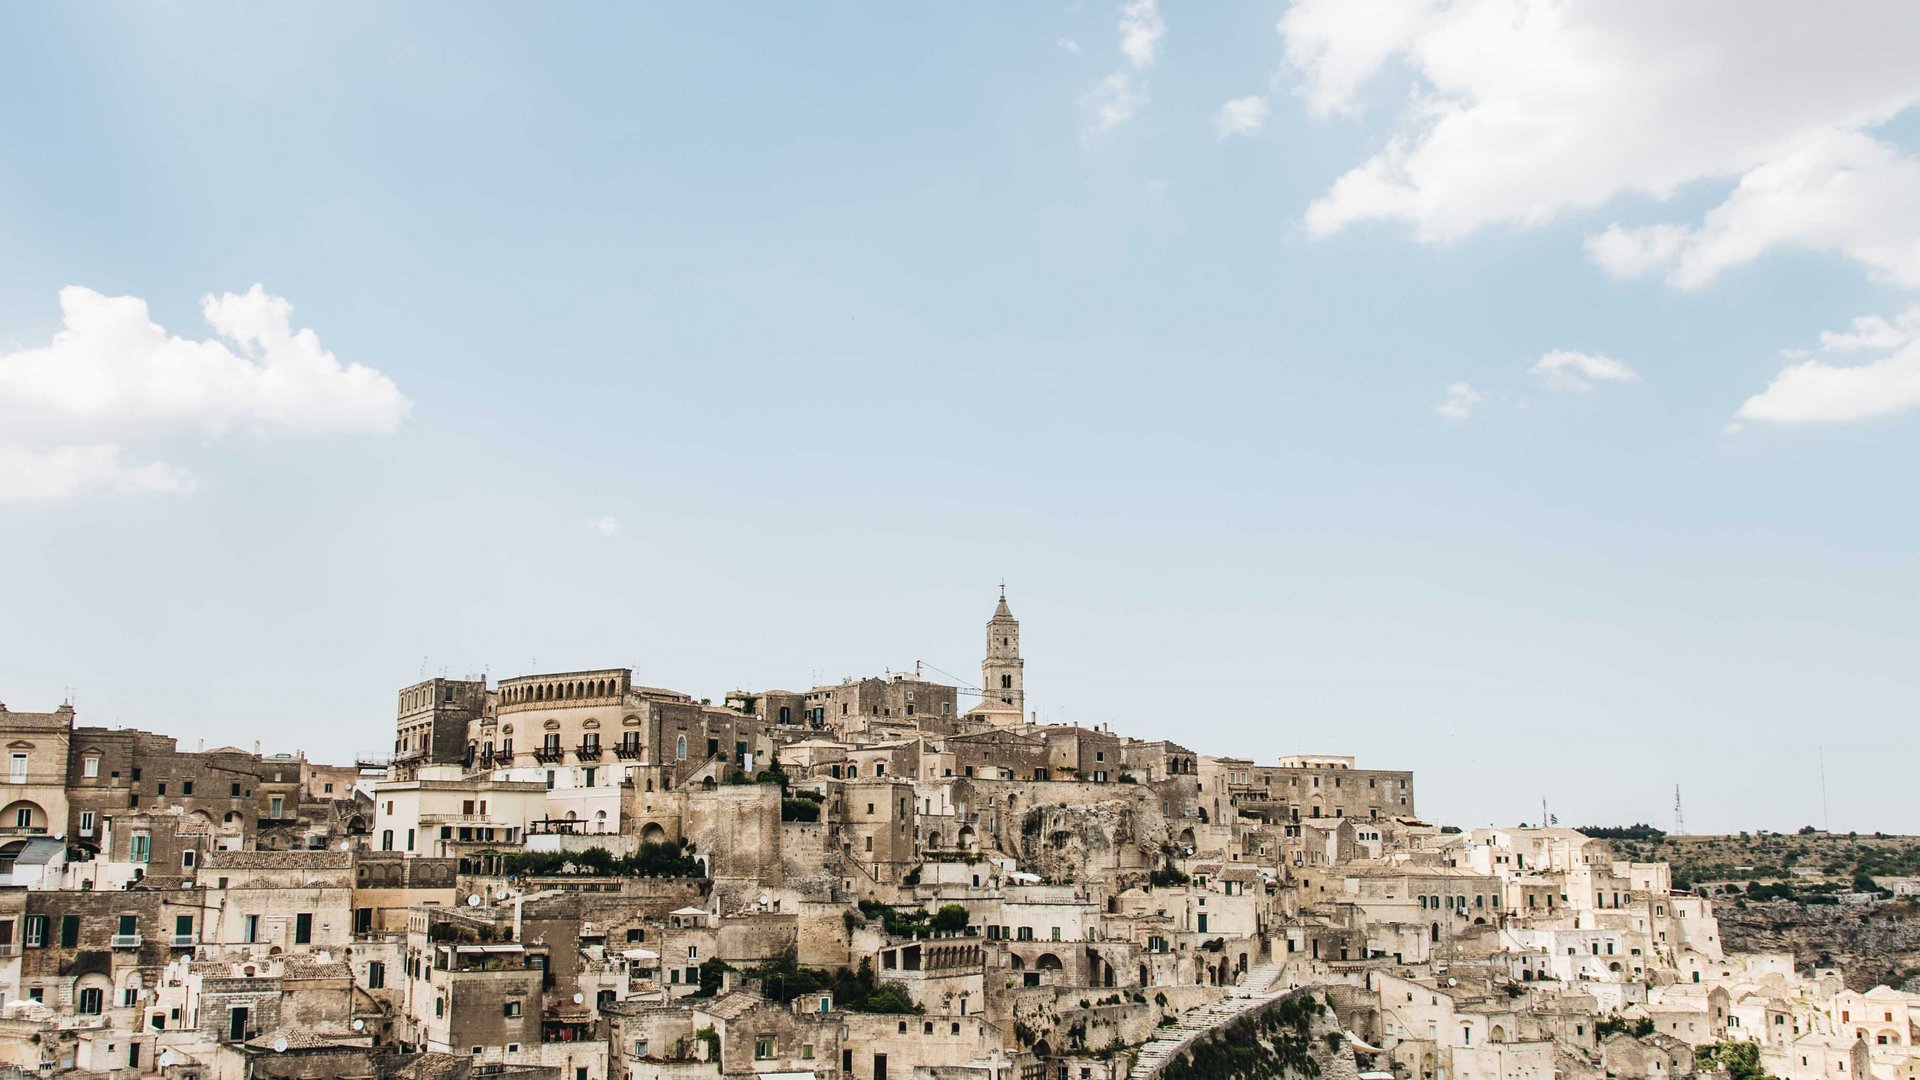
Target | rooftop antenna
(423,667)
(1679,818)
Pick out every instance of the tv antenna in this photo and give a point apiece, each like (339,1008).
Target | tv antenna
(1679,818)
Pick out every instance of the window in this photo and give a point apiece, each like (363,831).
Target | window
(303,928)
(186,788)
(680,748)
(328,788)
(36,931)
(90,766)
(18,770)
(510,1010)
(762,1049)
(386,840)
(69,931)
(233,791)
(160,788)
(90,1001)
(86,823)
(186,858)
(252,931)
(376,975)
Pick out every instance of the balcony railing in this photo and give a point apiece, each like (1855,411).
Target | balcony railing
(126,941)
(185,941)
(548,755)
(628,751)
(587,751)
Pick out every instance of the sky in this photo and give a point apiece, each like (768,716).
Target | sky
(1524,393)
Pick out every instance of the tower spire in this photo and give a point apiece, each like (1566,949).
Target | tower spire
(1002,677)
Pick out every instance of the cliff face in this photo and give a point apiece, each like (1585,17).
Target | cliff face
(1872,944)
(1296,1038)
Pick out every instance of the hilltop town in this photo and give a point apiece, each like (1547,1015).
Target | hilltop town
(571,876)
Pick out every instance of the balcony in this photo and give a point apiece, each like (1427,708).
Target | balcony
(628,751)
(185,941)
(587,751)
(125,941)
(548,755)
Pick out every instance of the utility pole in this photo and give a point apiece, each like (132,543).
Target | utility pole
(1826,823)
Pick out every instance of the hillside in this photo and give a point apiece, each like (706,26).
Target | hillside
(1745,857)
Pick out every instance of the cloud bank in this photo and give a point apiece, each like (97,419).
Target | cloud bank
(112,377)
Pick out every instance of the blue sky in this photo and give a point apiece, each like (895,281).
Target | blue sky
(752,347)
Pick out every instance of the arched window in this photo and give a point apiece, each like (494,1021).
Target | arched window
(680,748)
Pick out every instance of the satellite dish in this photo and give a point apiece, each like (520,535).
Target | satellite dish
(280,1045)
(578,998)
(473,899)
(359,1025)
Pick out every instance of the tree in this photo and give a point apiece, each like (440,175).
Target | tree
(1739,1060)
(950,919)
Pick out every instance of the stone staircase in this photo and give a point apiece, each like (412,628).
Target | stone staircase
(1255,990)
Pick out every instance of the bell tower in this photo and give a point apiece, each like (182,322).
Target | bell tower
(1001,674)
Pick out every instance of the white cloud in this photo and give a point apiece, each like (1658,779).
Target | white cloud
(1112,102)
(1836,191)
(1116,98)
(66,472)
(1241,115)
(1816,391)
(1141,30)
(111,375)
(1459,402)
(1875,332)
(605,525)
(1069,45)
(1625,252)
(1524,109)
(1565,369)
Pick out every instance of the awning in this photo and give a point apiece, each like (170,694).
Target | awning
(640,954)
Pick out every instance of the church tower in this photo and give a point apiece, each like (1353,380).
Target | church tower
(1001,675)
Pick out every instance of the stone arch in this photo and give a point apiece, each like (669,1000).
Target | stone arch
(653,834)
(1204,819)
(1615,966)
(1042,1049)
(1187,837)
(967,838)
(1499,1034)
(933,840)
(23,814)
(1048,962)
(1019,962)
